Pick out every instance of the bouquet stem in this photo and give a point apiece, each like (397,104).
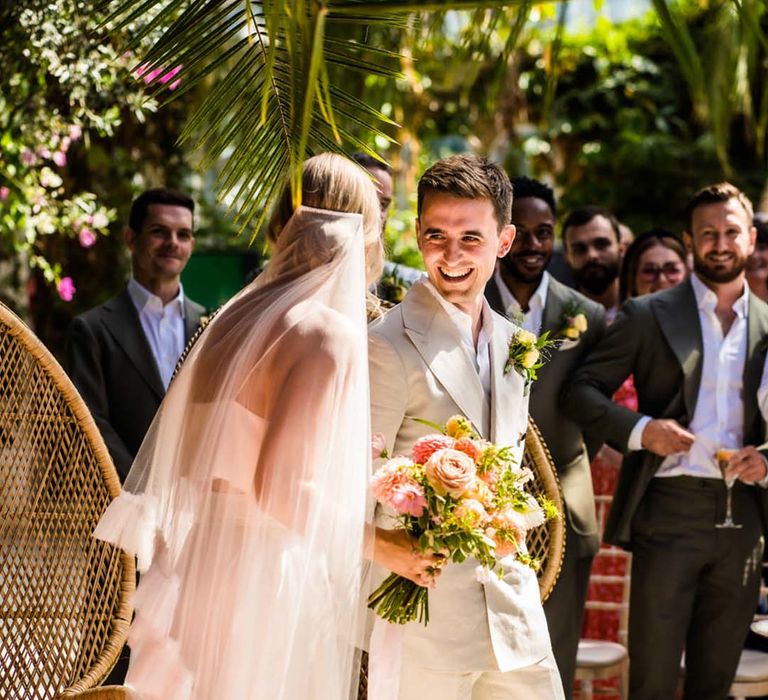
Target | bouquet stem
(399,600)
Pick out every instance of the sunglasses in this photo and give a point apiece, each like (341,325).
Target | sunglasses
(669,270)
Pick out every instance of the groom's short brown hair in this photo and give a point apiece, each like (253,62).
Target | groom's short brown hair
(469,177)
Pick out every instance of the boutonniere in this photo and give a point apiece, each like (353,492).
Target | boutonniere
(527,354)
(573,323)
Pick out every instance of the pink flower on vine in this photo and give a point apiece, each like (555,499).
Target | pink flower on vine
(66,289)
(28,157)
(60,158)
(75,132)
(4,192)
(160,75)
(86,237)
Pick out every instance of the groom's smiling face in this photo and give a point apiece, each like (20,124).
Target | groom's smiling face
(460,241)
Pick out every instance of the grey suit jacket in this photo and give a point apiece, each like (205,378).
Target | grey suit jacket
(419,369)
(658,339)
(564,438)
(110,362)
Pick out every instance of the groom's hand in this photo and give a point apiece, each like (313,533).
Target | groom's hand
(397,551)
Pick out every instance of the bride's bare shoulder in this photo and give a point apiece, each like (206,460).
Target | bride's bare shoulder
(321,332)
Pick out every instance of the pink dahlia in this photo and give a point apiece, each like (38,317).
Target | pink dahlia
(425,447)
(392,475)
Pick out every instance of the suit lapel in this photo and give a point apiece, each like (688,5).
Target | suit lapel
(191,320)
(678,316)
(123,323)
(437,340)
(506,389)
(553,309)
(757,330)
(493,295)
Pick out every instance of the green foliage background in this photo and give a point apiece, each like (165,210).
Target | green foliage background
(633,116)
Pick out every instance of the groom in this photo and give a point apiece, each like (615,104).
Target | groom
(442,352)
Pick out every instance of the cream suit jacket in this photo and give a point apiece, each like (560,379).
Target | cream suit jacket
(419,369)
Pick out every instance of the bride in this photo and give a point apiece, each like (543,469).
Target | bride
(246,504)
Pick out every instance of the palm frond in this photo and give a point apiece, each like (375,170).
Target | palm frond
(272,100)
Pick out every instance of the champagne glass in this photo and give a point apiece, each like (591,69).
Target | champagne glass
(723,456)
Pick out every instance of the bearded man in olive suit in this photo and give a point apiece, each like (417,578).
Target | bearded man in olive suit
(442,352)
(522,290)
(696,352)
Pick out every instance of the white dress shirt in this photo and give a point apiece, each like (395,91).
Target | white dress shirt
(532,319)
(163,326)
(480,355)
(718,420)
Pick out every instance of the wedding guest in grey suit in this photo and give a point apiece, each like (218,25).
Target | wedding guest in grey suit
(121,354)
(696,351)
(523,291)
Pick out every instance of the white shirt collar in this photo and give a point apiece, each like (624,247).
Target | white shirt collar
(707,299)
(463,321)
(142,298)
(511,304)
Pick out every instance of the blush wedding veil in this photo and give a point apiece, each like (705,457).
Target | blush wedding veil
(246,504)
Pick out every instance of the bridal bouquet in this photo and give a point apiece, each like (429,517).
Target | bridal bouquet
(460,494)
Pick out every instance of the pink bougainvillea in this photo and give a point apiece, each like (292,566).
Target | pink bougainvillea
(66,289)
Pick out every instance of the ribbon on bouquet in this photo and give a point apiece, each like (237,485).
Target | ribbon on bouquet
(384,659)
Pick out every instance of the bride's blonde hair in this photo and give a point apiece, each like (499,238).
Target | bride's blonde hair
(331,181)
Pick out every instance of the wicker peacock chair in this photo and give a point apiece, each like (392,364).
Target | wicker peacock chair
(546,543)
(65,598)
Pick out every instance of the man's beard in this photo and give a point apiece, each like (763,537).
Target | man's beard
(595,278)
(709,272)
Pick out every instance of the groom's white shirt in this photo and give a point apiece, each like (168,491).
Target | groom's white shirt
(480,352)
(421,368)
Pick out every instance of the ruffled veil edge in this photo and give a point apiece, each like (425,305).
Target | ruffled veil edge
(247,504)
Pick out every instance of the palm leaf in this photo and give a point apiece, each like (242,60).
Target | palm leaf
(272,100)
(272,71)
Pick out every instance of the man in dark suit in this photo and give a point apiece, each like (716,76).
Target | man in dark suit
(696,352)
(121,354)
(522,290)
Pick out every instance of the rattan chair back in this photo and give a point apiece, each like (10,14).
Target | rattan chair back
(65,598)
(547,542)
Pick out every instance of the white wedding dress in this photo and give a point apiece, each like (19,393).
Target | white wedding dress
(246,505)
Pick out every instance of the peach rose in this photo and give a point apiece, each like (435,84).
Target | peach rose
(468,447)
(450,472)
(473,510)
(480,491)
